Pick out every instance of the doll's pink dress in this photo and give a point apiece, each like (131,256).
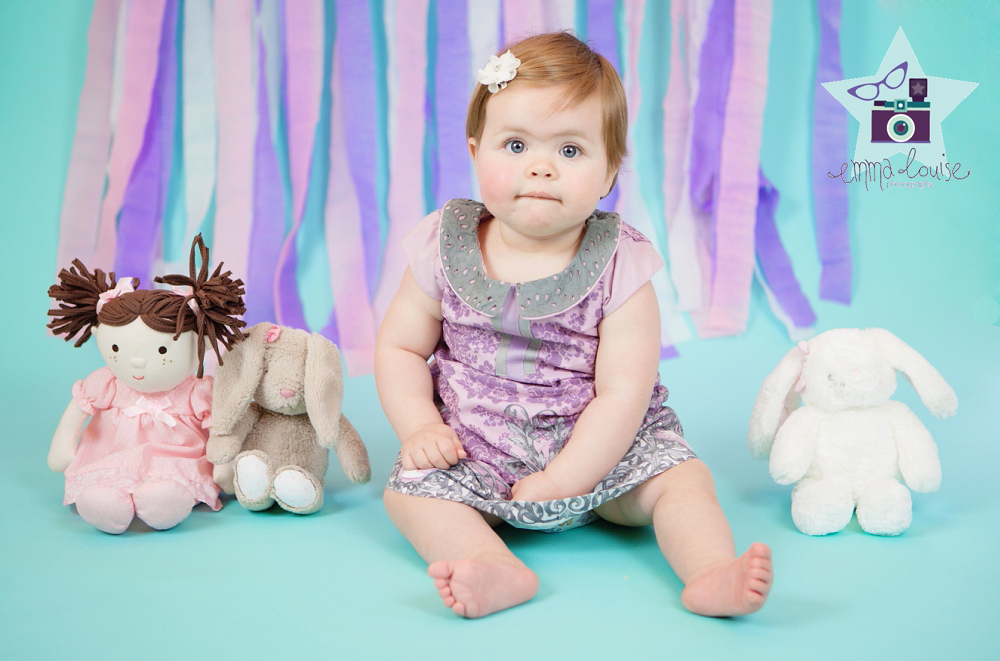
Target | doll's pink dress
(135,437)
(515,366)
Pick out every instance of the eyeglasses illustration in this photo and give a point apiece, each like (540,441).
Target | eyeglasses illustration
(869,91)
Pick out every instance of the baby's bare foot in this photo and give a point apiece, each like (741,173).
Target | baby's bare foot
(735,587)
(474,588)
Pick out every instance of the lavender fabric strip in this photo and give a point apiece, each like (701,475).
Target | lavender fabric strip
(710,106)
(774,261)
(829,150)
(357,75)
(85,179)
(452,91)
(145,198)
(268,227)
(142,48)
(602,30)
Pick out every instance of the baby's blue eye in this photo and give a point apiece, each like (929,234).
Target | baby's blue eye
(570,151)
(515,146)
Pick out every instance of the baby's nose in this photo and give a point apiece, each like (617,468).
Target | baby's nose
(287,394)
(137,361)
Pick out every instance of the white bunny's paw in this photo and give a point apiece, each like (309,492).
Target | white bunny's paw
(885,508)
(297,491)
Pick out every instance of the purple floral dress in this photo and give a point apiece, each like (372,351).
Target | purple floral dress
(515,366)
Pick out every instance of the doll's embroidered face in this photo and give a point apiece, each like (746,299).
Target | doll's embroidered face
(147,360)
(541,164)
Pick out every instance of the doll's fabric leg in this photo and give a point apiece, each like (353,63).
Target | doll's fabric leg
(885,508)
(252,480)
(162,504)
(108,509)
(821,507)
(297,491)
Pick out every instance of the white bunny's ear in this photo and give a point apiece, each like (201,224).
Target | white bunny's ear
(934,391)
(771,408)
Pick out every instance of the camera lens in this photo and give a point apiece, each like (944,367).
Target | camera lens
(901,127)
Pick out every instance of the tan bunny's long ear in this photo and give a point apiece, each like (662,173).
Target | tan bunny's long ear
(324,388)
(769,411)
(933,390)
(237,379)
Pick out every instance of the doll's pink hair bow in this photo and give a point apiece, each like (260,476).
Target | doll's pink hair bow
(187,290)
(124,286)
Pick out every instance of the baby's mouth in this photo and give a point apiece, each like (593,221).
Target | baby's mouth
(539,196)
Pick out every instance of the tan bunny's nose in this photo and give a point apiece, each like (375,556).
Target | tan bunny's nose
(287,394)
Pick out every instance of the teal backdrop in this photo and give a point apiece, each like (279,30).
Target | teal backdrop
(343,583)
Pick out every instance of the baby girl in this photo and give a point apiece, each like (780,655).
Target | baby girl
(541,406)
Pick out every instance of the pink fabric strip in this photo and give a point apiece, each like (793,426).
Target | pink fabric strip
(735,211)
(81,203)
(233,36)
(142,44)
(521,18)
(406,201)
(354,324)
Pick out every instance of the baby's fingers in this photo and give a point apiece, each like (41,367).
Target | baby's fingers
(451,451)
(415,459)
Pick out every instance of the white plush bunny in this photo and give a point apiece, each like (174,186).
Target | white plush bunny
(848,445)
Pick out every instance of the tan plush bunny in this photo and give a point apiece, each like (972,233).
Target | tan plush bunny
(848,446)
(275,413)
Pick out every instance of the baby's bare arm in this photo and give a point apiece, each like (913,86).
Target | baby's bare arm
(407,338)
(628,358)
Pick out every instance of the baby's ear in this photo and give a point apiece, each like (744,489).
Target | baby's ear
(472,148)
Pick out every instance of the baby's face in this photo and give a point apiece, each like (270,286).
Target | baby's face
(147,360)
(542,167)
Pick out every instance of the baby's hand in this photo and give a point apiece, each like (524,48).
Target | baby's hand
(432,446)
(537,487)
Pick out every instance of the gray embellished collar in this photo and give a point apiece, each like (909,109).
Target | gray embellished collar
(463,264)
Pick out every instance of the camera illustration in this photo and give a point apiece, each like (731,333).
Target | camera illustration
(903,120)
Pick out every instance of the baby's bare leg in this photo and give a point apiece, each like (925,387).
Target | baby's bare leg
(473,570)
(695,538)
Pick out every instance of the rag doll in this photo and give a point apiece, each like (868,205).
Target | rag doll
(848,446)
(279,442)
(142,454)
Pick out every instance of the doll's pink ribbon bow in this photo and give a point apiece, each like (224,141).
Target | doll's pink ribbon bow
(153,407)
(124,286)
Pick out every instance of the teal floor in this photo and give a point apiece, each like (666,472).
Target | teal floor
(344,584)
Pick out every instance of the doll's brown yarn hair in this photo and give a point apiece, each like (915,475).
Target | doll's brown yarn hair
(219,301)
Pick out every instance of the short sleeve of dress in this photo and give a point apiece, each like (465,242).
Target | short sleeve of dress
(635,262)
(95,392)
(201,401)
(421,247)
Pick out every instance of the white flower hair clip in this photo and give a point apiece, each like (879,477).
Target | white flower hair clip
(498,71)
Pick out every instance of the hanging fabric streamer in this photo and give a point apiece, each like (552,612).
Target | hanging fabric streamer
(145,25)
(736,202)
(689,23)
(198,119)
(484,35)
(268,229)
(452,90)
(829,150)
(774,270)
(145,201)
(353,321)
(233,51)
(85,179)
(602,31)
(631,205)
(303,41)
(406,185)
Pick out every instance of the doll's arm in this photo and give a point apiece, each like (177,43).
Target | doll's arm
(918,457)
(64,440)
(628,358)
(794,444)
(408,336)
(223,448)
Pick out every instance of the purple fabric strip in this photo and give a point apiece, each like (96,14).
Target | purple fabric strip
(774,261)
(268,227)
(357,75)
(829,150)
(287,304)
(710,107)
(452,90)
(602,31)
(145,198)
